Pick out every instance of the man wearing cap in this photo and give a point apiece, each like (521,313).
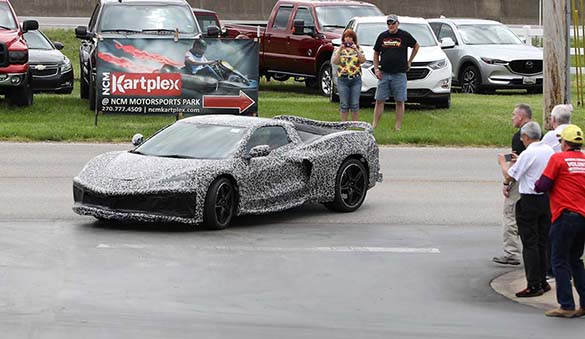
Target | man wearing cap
(564,178)
(391,53)
(532,210)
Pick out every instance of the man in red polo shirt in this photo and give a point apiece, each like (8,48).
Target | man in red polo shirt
(564,177)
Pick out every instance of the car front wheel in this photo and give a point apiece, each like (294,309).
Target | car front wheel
(220,204)
(470,79)
(351,186)
(325,78)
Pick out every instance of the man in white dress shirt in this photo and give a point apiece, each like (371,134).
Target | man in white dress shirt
(560,117)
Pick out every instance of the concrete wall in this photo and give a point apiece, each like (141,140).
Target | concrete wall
(507,11)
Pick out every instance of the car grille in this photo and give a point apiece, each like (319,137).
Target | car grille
(3,55)
(44,70)
(172,204)
(526,66)
(417,73)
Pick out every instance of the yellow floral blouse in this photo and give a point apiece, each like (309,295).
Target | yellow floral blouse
(349,62)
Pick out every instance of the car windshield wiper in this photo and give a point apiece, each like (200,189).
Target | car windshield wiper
(158,30)
(176,156)
(119,31)
(136,152)
(334,26)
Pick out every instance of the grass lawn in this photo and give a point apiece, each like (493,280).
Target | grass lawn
(473,120)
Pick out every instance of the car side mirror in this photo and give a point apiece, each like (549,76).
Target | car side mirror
(30,25)
(81,32)
(447,43)
(259,151)
(213,31)
(58,45)
(299,28)
(137,139)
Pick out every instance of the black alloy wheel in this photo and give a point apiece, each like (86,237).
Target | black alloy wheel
(83,86)
(470,80)
(351,186)
(220,204)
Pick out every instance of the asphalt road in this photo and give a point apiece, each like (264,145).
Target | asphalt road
(414,262)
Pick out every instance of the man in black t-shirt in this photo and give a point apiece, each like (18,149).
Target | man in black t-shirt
(391,53)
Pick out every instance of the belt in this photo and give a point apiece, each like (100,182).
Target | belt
(569,212)
(350,76)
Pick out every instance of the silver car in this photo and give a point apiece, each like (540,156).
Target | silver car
(487,56)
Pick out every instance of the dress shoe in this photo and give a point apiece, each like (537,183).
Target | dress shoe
(504,260)
(560,313)
(530,292)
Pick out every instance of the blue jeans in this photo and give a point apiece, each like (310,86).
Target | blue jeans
(567,236)
(349,93)
(392,84)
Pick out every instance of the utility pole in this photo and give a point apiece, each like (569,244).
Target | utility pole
(557,71)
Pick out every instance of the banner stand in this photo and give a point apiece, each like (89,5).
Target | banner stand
(96,118)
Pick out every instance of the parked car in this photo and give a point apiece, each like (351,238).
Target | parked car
(15,78)
(429,78)
(208,169)
(51,70)
(128,19)
(296,41)
(487,56)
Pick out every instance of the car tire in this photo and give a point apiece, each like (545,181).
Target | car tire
(21,96)
(443,103)
(333,97)
(325,78)
(220,204)
(83,86)
(351,186)
(470,80)
(537,90)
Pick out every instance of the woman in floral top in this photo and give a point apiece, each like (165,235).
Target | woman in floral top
(348,58)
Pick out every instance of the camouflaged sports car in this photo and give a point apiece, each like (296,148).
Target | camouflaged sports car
(208,169)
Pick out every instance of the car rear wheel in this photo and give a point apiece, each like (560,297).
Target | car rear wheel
(220,204)
(325,78)
(351,186)
(470,79)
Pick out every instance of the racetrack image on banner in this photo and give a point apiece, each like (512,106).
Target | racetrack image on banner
(164,76)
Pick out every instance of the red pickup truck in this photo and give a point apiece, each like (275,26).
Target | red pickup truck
(15,79)
(296,40)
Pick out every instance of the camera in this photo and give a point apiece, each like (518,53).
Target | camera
(508,157)
(347,44)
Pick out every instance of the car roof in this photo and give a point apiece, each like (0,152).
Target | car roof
(382,19)
(182,2)
(202,10)
(467,21)
(233,120)
(329,2)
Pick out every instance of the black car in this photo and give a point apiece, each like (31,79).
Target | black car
(51,70)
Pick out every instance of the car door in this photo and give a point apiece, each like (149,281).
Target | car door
(277,40)
(303,48)
(276,179)
(444,30)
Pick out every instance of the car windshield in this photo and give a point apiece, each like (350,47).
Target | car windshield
(367,33)
(159,17)
(339,16)
(205,20)
(36,40)
(6,19)
(488,34)
(189,140)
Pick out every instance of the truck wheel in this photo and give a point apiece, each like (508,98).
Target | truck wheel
(21,96)
(83,87)
(325,78)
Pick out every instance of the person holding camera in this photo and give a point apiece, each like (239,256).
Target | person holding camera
(348,58)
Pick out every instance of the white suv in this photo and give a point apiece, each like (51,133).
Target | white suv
(429,78)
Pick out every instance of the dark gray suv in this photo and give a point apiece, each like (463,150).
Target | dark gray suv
(487,56)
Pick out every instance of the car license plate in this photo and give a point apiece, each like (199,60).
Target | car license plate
(528,80)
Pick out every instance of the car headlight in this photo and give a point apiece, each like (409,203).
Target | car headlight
(492,61)
(438,64)
(367,64)
(66,65)
(18,57)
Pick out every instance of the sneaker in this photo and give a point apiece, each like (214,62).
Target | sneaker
(580,312)
(506,260)
(560,313)
(530,292)
(545,287)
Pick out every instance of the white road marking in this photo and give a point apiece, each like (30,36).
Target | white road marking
(331,249)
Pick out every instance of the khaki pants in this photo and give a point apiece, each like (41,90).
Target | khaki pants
(510,228)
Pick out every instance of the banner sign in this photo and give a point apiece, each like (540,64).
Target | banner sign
(164,76)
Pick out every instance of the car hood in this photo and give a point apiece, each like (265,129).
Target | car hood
(425,54)
(506,52)
(8,36)
(45,56)
(125,172)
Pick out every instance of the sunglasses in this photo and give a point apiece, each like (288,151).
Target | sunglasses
(391,22)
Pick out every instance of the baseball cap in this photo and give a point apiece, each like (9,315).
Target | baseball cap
(392,18)
(572,133)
